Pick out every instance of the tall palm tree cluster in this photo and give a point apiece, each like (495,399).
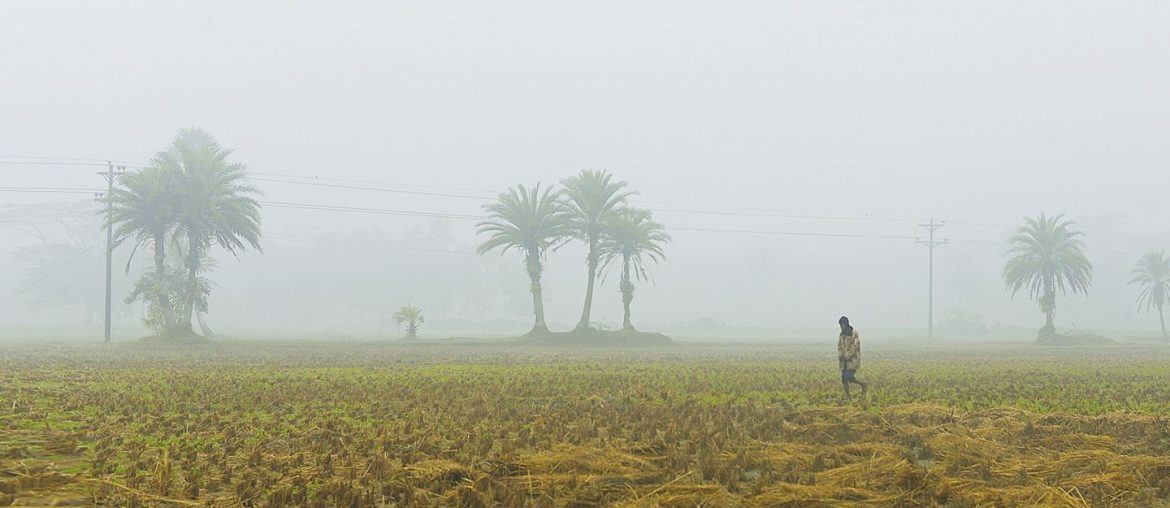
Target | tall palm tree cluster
(592,208)
(1047,257)
(189,199)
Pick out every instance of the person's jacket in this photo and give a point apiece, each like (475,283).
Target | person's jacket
(849,350)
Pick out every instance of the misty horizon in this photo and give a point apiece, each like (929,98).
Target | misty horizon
(744,130)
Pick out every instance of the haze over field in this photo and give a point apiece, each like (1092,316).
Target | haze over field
(537,254)
(861,119)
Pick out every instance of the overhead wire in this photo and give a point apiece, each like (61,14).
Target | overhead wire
(52,163)
(50,190)
(794,233)
(455,216)
(70,159)
(328,241)
(323,182)
(375,211)
(782,216)
(372,182)
(821,216)
(375,186)
(47,275)
(378,189)
(385,187)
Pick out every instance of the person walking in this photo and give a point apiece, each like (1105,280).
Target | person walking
(849,357)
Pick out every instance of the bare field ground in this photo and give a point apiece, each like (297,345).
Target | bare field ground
(372,424)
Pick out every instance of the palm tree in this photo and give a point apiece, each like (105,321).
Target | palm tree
(146,289)
(1047,256)
(179,256)
(633,238)
(591,198)
(529,221)
(216,205)
(1153,274)
(150,283)
(412,317)
(142,210)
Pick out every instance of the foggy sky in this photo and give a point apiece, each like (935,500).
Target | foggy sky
(978,113)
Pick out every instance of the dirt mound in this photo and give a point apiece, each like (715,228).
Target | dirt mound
(190,339)
(1083,339)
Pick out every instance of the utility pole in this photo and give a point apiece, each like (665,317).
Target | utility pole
(110,174)
(930,244)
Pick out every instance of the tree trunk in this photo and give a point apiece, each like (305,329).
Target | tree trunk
(1162,319)
(191,259)
(1050,312)
(627,289)
(203,325)
(532,263)
(162,288)
(592,261)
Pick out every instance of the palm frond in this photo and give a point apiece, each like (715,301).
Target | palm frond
(1047,256)
(1152,273)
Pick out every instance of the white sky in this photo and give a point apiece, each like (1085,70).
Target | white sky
(977,112)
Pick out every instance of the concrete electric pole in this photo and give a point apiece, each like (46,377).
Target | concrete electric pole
(110,174)
(931,243)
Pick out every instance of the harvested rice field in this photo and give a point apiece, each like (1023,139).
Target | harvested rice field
(366,424)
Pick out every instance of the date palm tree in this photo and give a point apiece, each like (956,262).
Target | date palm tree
(1152,273)
(412,317)
(149,283)
(143,211)
(216,206)
(591,198)
(179,255)
(633,239)
(1047,256)
(531,222)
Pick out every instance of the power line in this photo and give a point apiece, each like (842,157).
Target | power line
(67,159)
(783,216)
(371,182)
(50,190)
(375,211)
(327,241)
(334,242)
(318,181)
(82,159)
(379,189)
(968,240)
(662,210)
(47,275)
(789,213)
(322,182)
(413,213)
(51,163)
(794,233)
(378,211)
(762,212)
(981,225)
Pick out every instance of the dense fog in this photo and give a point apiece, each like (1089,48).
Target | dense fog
(792,151)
